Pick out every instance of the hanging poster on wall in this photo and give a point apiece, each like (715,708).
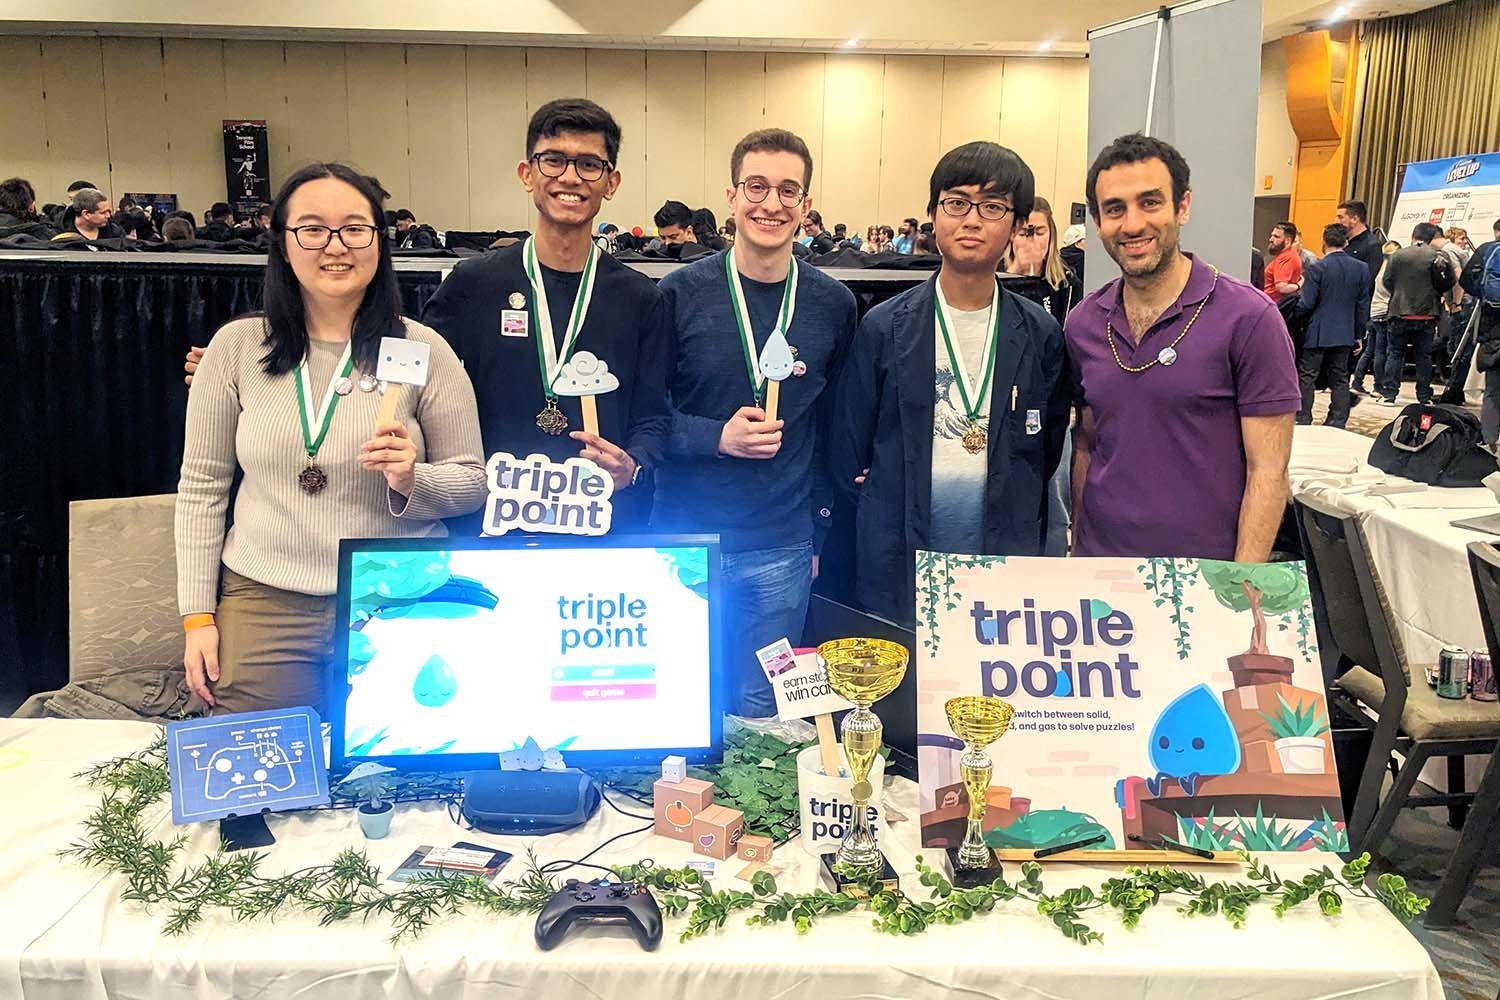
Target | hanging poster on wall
(247,165)
(1176,698)
(1462,191)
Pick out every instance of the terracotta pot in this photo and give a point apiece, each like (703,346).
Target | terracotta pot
(1254,669)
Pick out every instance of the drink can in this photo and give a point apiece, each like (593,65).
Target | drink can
(1482,676)
(1431,670)
(1453,672)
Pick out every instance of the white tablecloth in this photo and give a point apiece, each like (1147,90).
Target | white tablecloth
(73,939)
(1420,556)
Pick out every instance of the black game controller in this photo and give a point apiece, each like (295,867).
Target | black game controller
(600,899)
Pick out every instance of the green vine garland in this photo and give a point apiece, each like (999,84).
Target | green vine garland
(157,875)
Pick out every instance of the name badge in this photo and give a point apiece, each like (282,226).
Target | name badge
(514,323)
(1033,421)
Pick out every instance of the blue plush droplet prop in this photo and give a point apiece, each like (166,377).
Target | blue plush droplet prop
(435,684)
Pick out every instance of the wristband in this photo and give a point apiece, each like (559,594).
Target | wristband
(191,622)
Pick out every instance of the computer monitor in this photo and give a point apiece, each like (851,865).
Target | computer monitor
(458,649)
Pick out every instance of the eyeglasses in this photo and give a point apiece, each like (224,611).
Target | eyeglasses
(588,167)
(354,237)
(757,188)
(958,207)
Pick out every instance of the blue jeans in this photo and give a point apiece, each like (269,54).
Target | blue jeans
(765,599)
(1420,334)
(1373,358)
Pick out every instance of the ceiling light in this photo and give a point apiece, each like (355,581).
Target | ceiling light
(851,43)
(1044,46)
(1338,13)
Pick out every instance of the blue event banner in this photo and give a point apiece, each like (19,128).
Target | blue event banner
(239,765)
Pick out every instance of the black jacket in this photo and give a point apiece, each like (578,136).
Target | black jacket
(217,232)
(626,328)
(11,225)
(884,422)
(418,237)
(1408,277)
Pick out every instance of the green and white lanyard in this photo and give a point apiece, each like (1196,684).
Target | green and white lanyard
(973,395)
(315,424)
(550,358)
(742,319)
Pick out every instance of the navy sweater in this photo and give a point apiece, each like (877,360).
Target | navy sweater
(751,503)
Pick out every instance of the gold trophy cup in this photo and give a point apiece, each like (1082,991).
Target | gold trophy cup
(863,671)
(978,721)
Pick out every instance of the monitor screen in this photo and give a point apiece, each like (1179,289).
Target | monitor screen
(458,650)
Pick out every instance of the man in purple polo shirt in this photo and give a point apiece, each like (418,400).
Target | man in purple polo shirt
(1185,378)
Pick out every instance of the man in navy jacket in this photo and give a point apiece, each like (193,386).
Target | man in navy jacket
(955,398)
(1335,295)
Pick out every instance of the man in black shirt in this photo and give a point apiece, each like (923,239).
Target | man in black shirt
(674,224)
(220,227)
(822,241)
(516,316)
(1364,243)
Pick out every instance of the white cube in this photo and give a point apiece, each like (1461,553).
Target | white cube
(674,768)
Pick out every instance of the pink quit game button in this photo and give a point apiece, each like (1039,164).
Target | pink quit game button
(603,692)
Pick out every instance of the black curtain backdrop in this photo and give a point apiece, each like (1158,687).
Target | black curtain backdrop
(92,406)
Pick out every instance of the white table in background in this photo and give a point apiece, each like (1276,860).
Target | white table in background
(85,942)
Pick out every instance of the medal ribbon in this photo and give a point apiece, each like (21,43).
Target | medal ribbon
(973,396)
(549,359)
(322,418)
(742,319)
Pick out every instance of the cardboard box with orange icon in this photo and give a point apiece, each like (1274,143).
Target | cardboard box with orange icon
(675,803)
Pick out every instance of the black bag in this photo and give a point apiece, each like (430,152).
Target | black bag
(1434,444)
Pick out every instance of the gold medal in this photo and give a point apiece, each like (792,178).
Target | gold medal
(975,439)
(551,420)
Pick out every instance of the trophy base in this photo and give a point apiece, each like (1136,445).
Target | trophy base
(888,879)
(970,878)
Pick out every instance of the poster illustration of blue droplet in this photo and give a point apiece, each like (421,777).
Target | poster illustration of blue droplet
(1153,698)
(239,765)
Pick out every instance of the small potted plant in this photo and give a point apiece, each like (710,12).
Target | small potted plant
(368,782)
(1298,732)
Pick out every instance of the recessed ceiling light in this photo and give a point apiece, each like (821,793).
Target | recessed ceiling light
(1043,46)
(1338,13)
(851,43)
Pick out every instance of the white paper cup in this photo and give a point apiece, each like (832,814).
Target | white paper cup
(827,808)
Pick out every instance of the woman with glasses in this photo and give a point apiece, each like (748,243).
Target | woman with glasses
(1034,251)
(289,398)
(954,399)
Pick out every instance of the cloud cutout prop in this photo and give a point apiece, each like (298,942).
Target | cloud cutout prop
(585,375)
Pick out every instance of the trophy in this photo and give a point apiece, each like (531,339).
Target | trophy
(978,721)
(863,671)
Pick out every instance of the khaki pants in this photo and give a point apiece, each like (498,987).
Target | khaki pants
(274,646)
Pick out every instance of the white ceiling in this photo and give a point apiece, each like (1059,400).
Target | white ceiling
(979,27)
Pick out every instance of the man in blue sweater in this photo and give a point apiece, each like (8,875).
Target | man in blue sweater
(762,484)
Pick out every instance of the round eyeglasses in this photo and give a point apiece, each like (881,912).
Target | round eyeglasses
(355,236)
(587,166)
(958,207)
(758,188)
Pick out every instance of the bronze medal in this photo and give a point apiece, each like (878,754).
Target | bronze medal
(974,439)
(551,420)
(312,479)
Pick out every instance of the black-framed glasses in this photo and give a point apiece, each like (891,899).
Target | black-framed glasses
(958,207)
(588,167)
(355,236)
(758,188)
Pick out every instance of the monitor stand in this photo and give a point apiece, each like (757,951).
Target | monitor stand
(242,832)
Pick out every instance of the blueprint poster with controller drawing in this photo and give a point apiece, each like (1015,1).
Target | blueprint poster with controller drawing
(1177,698)
(238,765)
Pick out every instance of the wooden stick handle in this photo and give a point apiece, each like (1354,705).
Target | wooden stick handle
(773,397)
(590,414)
(828,744)
(388,400)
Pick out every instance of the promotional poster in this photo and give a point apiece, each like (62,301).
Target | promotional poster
(1461,191)
(1176,698)
(247,166)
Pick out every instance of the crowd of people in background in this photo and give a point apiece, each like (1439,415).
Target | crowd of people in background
(1375,302)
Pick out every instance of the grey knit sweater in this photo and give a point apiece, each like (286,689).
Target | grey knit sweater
(283,537)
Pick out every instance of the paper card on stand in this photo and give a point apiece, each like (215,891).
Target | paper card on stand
(403,362)
(803,691)
(776,658)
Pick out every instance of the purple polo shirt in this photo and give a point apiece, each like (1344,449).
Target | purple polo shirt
(1168,469)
